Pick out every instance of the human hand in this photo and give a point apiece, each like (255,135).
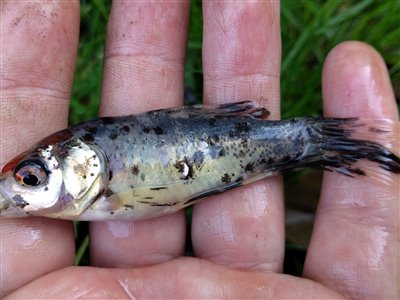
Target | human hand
(238,237)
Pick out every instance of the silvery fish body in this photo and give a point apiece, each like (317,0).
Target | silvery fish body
(155,163)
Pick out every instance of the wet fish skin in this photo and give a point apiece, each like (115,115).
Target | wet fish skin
(152,164)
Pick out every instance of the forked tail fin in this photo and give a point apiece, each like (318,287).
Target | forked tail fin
(339,144)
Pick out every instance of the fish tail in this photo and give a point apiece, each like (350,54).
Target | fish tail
(339,144)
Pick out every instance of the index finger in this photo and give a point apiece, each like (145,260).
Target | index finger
(38,53)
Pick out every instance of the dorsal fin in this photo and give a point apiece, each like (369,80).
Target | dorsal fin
(243,108)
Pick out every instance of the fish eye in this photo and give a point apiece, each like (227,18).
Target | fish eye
(31,173)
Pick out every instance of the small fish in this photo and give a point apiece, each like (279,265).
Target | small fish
(156,163)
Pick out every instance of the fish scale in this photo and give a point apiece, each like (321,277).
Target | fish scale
(156,163)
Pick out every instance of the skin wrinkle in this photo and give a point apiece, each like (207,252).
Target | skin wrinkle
(38,90)
(141,64)
(162,57)
(125,286)
(244,77)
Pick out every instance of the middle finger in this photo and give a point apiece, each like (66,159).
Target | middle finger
(144,63)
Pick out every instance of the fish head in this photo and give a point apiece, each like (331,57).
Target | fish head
(58,180)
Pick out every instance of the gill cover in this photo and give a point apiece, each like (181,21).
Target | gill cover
(84,176)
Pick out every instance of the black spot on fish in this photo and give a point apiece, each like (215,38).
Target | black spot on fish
(144,202)
(113,136)
(148,198)
(110,175)
(242,153)
(108,120)
(164,204)
(146,129)
(111,212)
(129,206)
(239,180)
(242,127)
(271,161)
(158,130)
(126,128)
(226,178)
(46,189)
(244,143)
(90,129)
(159,188)
(181,166)
(107,193)
(212,122)
(19,201)
(198,157)
(210,141)
(249,167)
(135,170)
(221,153)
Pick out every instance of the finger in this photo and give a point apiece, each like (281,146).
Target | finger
(144,63)
(354,246)
(184,278)
(38,53)
(241,59)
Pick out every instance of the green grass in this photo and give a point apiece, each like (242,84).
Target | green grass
(310,29)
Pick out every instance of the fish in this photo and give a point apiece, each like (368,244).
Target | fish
(158,162)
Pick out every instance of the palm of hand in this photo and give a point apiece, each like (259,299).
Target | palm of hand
(238,237)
